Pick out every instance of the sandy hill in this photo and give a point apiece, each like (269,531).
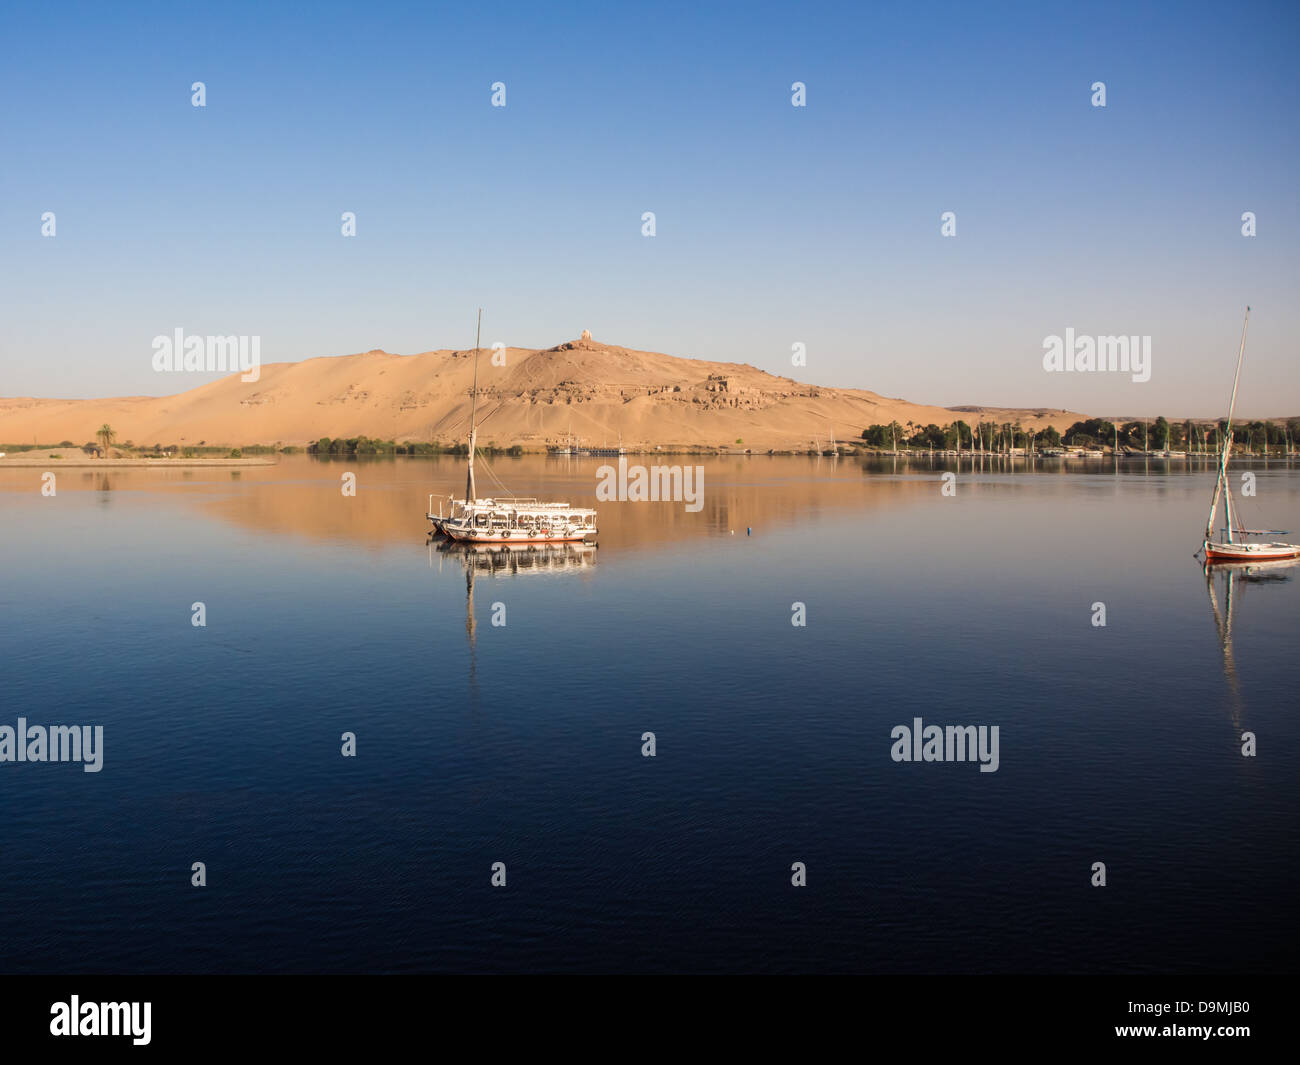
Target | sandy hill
(600,392)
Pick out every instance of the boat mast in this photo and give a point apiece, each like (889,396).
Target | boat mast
(473,410)
(1220,483)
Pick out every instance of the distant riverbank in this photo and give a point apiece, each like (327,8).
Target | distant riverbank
(74,458)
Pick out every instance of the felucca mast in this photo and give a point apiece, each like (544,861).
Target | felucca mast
(473,410)
(1221,483)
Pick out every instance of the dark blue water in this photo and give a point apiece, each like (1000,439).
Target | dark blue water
(522,743)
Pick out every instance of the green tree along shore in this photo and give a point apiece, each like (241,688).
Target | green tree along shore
(1256,438)
(364,445)
(987,436)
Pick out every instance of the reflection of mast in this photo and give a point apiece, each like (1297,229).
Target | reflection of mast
(1240,574)
(1223,623)
(471,626)
(503,561)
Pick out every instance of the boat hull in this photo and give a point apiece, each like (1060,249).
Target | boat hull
(515,537)
(1250,552)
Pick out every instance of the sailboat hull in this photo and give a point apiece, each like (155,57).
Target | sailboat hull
(515,536)
(1221,552)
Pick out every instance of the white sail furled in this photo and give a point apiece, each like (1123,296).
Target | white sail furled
(1221,483)
(473,410)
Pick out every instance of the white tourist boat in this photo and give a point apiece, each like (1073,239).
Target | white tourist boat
(1226,548)
(510,520)
(506,519)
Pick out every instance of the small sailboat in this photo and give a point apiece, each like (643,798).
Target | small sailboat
(507,520)
(1227,548)
(569,447)
(831,452)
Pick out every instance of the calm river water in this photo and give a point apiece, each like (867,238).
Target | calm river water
(499,706)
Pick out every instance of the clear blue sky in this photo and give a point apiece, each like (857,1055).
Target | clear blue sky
(775,224)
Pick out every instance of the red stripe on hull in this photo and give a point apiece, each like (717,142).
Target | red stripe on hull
(1250,556)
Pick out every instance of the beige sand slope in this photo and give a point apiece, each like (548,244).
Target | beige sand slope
(601,393)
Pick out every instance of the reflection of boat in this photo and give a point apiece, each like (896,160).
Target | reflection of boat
(1227,549)
(513,559)
(500,560)
(507,519)
(1230,574)
(1271,572)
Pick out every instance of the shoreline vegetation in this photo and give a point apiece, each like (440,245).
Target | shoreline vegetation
(1097,435)
(1090,436)
(44,459)
(1094,434)
(107,454)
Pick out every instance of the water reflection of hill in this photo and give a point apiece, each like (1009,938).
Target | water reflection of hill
(303,498)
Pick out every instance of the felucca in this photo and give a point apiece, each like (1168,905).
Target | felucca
(1228,549)
(507,519)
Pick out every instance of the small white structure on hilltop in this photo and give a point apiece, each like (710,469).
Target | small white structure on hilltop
(586,334)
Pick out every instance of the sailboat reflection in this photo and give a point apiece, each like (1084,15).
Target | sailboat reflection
(1236,576)
(508,560)
(505,560)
